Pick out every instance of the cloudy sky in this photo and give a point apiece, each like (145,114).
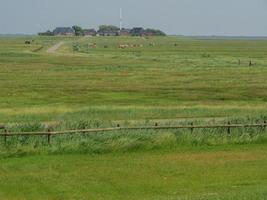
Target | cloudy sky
(186,17)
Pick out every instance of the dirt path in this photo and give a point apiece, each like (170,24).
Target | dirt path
(54,48)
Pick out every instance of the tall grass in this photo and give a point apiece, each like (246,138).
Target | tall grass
(127,140)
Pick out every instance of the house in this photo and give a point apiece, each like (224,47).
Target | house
(64,31)
(150,33)
(125,32)
(89,32)
(138,31)
(108,33)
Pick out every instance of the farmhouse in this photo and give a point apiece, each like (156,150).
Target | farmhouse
(64,31)
(108,33)
(89,32)
(138,31)
(125,32)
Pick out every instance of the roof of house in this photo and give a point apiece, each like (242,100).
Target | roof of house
(62,30)
(108,32)
(138,29)
(125,30)
(89,30)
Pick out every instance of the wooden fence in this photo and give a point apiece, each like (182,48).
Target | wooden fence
(191,127)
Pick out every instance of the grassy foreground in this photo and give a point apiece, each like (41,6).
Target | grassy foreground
(226,172)
(166,164)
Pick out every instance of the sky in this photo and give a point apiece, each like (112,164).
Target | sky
(176,17)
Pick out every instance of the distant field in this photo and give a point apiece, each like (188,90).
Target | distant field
(166,78)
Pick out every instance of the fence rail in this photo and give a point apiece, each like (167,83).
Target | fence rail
(228,127)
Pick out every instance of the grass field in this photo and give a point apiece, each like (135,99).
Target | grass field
(228,172)
(169,80)
(195,79)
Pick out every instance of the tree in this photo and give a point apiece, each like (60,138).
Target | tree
(78,30)
(105,28)
(154,32)
(47,33)
(138,31)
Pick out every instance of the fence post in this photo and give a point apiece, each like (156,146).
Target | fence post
(229,128)
(118,125)
(192,128)
(5,137)
(49,137)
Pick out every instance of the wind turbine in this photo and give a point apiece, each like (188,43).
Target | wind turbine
(121,21)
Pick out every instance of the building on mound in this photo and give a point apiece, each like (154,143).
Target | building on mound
(89,32)
(64,31)
(108,33)
(125,32)
(138,31)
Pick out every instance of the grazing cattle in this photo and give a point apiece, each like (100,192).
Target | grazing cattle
(93,45)
(27,42)
(123,46)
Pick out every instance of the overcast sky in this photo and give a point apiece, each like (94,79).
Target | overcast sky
(186,17)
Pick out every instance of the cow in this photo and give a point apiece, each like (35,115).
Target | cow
(93,45)
(123,46)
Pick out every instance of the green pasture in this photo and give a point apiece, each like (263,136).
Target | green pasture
(91,83)
(160,78)
(237,173)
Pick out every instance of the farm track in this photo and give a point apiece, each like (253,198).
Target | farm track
(54,48)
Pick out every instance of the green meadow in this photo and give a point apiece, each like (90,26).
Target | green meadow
(89,82)
(176,78)
(215,173)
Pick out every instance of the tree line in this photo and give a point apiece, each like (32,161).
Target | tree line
(110,29)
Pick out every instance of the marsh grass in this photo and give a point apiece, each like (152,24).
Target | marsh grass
(193,79)
(128,140)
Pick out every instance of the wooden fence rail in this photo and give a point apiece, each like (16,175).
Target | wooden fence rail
(191,127)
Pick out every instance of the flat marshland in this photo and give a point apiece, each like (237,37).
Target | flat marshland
(91,83)
(176,78)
